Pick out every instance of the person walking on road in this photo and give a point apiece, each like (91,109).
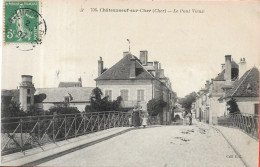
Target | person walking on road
(189,117)
(145,120)
(136,116)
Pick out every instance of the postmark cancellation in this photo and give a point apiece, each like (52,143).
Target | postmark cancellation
(23,23)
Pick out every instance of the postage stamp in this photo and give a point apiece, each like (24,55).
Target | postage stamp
(23,23)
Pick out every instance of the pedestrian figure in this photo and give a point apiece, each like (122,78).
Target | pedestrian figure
(144,122)
(189,117)
(136,117)
(130,120)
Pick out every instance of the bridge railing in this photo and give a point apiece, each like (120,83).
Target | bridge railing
(23,133)
(248,123)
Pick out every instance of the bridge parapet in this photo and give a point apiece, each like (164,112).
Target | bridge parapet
(23,133)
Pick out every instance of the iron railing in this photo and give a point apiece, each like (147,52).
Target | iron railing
(23,133)
(248,123)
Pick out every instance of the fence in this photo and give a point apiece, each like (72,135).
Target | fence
(248,123)
(23,133)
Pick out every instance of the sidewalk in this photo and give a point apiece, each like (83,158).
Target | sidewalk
(245,146)
(35,156)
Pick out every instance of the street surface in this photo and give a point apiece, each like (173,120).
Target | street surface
(165,146)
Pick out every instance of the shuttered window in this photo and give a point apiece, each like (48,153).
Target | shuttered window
(257,109)
(109,94)
(140,95)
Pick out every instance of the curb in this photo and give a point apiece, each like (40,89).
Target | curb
(56,155)
(234,149)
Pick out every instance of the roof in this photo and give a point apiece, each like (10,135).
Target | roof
(121,70)
(221,76)
(246,86)
(69,84)
(56,95)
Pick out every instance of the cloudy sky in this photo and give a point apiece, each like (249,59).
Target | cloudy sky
(190,46)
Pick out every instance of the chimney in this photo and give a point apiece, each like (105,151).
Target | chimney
(156,63)
(227,75)
(132,68)
(242,67)
(125,53)
(161,73)
(222,67)
(144,57)
(100,66)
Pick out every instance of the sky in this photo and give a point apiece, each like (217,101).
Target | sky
(190,46)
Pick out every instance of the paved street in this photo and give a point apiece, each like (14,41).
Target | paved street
(191,146)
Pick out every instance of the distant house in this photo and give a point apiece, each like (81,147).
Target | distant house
(234,81)
(70,84)
(245,91)
(44,98)
(208,108)
(76,96)
(136,81)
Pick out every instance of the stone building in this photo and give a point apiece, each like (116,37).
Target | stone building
(208,107)
(245,91)
(137,81)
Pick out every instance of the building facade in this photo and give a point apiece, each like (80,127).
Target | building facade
(137,81)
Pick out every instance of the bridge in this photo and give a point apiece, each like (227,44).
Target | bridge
(105,139)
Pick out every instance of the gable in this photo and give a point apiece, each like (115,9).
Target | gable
(121,70)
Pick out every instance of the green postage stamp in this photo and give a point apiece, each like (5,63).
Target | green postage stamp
(23,22)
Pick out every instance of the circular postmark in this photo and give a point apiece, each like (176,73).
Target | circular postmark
(25,28)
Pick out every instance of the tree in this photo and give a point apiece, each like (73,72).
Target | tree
(97,103)
(63,109)
(232,106)
(155,106)
(188,100)
(12,110)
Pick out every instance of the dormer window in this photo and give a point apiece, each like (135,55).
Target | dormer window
(66,99)
(249,88)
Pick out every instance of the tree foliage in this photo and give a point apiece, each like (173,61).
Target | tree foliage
(97,103)
(12,110)
(232,106)
(155,106)
(188,100)
(63,109)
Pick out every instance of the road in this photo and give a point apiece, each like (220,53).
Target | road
(165,146)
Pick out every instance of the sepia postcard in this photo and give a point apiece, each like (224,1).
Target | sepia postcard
(130,83)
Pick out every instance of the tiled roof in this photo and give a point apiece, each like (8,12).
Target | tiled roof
(121,70)
(69,84)
(55,95)
(246,86)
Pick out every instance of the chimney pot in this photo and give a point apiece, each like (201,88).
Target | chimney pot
(144,57)
(222,67)
(227,75)
(100,66)
(242,68)
(125,53)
